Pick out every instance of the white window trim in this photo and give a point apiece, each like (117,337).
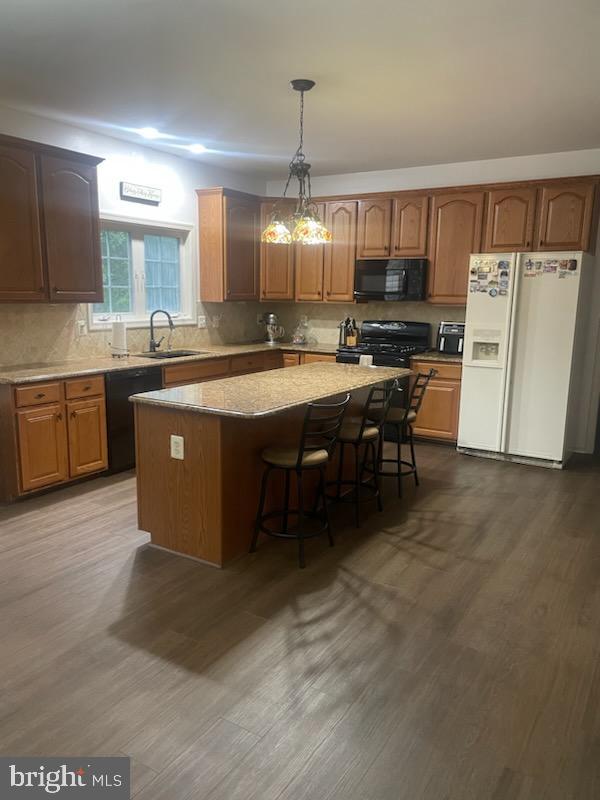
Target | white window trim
(138,318)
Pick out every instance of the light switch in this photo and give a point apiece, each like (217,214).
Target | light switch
(177,449)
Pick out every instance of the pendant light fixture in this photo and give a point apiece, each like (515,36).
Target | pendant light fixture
(304,226)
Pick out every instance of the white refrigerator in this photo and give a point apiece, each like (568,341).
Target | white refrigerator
(524,355)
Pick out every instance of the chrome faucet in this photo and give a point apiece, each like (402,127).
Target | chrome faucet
(154,345)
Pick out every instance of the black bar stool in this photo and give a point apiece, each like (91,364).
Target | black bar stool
(363,432)
(402,419)
(322,423)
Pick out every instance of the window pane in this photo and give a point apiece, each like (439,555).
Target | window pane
(163,271)
(116,272)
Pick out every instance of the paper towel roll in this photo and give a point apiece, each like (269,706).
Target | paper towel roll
(118,341)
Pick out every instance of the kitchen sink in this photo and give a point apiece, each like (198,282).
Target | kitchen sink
(172,354)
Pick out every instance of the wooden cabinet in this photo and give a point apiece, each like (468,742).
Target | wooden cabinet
(565,216)
(229,233)
(291,359)
(42,441)
(276,264)
(309,262)
(409,226)
(374,228)
(22,276)
(71,230)
(49,224)
(456,227)
(510,215)
(195,372)
(86,425)
(317,358)
(438,415)
(340,254)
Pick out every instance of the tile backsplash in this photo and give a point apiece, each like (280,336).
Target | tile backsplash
(32,333)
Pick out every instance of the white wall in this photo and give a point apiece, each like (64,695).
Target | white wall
(124,161)
(549,165)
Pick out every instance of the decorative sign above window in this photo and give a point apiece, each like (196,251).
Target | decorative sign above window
(140,194)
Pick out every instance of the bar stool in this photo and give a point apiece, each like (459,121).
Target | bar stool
(322,423)
(402,419)
(358,432)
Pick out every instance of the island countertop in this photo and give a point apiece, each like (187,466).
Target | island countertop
(263,394)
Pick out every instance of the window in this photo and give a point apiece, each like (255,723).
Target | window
(144,268)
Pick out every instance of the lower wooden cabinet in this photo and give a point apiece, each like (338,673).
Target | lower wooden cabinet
(315,358)
(42,437)
(86,426)
(291,359)
(438,415)
(59,434)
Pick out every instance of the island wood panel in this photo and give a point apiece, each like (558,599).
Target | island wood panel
(22,273)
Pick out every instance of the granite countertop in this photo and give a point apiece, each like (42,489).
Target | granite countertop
(262,394)
(30,373)
(435,355)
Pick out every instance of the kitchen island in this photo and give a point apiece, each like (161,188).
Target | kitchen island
(198,494)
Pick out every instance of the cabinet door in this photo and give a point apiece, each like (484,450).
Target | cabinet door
(509,220)
(87,436)
(291,359)
(456,222)
(21,267)
(308,261)
(276,265)
(340,254)
(438,415)
(71,223)
(42,437)
(565,216)
(374,228)
(409,226)
(317,358)
(242,235)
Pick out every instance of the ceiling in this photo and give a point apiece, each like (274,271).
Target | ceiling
(399,82)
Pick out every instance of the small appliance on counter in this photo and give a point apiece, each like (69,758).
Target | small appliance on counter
(390,279)
(451,338)
(273,330)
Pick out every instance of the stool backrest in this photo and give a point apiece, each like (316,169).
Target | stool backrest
(418,390)
(376,408)
(322,423)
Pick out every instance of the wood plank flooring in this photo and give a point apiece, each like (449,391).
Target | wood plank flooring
(448,649)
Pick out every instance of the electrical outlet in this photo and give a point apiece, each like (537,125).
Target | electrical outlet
(216,320)
(202,322)
(177,449)
(81,327)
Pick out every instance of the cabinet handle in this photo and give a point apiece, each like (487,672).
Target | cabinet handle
(73,415)
(527,244)
(87,388)
(39,395)
(541,242)
(59,416)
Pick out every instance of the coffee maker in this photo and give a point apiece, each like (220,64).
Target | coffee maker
(273,330)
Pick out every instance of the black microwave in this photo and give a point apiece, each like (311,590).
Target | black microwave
(390,279)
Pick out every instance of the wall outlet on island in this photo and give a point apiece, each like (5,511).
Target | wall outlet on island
(177,448)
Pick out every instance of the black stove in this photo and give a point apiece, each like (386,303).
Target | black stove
(390,342)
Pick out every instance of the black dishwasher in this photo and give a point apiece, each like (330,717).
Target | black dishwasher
(120,385)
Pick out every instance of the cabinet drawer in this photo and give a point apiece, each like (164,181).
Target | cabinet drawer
(84,387)
(195,372)
(273,360)
(291,359)
(37,394)
(443,369)
(316,358)
(250,363)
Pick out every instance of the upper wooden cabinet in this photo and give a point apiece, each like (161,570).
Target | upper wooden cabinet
(276,264)
(409,226)
(49,224)
(22,274)
(71,225)
(565,216)
(229,231)
(456,223)
(309,261)
(340,255)
(510,216)
(374,228)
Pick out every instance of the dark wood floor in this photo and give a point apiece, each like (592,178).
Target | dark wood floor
(448,649)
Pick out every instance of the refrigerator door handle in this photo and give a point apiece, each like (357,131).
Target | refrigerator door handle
(508,359)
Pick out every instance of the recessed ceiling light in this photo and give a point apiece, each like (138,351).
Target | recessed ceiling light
(196,148)
(149,133)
